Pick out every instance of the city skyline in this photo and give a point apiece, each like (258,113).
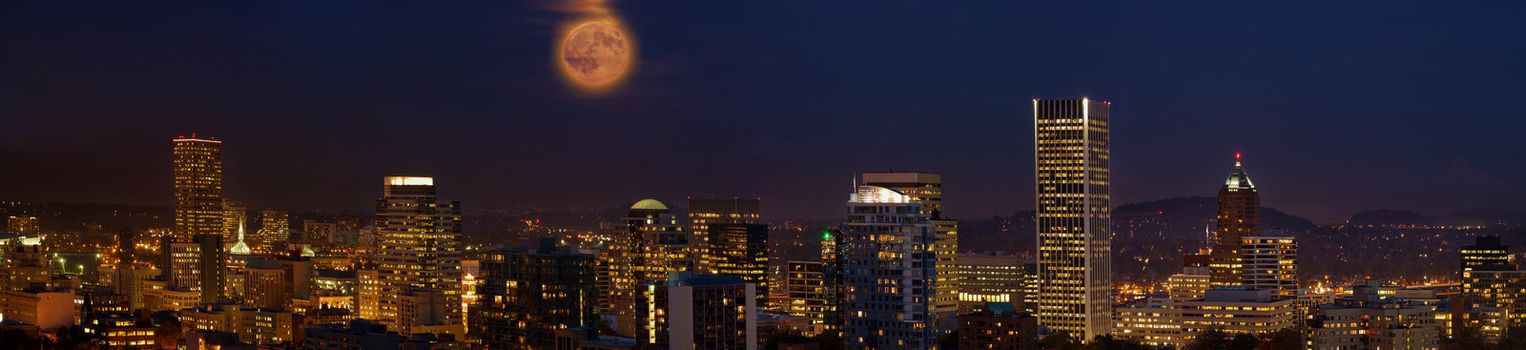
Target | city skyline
(620,176)
(1192,92)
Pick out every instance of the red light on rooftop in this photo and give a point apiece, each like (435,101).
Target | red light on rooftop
(1237,155)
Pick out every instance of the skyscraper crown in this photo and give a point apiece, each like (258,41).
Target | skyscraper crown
(1238,179)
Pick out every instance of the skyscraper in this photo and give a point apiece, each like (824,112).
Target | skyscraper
(1238,216)
(198,171)
(1074,216)
(652,245)
(693,310)
(927,188)
(235,215)
(706,211)
(741,251)
(212,260)
(526,295)
(420,257)
(275,230)
(889,272)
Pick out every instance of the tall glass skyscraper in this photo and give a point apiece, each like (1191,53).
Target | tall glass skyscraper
(198,172)
(420,267)
(1074,216)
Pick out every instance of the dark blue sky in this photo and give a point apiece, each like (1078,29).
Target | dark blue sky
(1338,106)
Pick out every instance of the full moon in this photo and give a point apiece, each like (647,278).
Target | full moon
(595,53)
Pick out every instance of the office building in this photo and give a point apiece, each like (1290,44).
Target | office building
(1238,216)
(741,251)
(1487,253)
(706,211)
(927,188)
(697,311)
(889,271)
(1237,310)
(1270,261)
(275,231)
(368,297)
(267,285)
(420,257)
(181,265)
(1153,321)
(806,293)
(526,295)
(49,311)
(235,215)
(212,261)
(198,172)
(990,277)
(1073,214)
(652,245)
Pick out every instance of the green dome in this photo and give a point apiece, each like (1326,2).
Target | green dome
(649,204)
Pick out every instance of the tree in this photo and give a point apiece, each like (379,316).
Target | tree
(1243,341)
(1287,339)
(1108,342)
(1060,341)
(1212,339)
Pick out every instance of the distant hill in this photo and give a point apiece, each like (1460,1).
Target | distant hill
(1484,216)
(1388,217)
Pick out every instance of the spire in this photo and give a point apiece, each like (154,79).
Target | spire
(1238,179)
(240,248)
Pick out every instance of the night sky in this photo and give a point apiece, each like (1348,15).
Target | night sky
(1338,106)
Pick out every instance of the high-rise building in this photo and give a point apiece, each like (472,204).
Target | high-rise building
(526,295)
(889,271)
(267,285)
(198,171)
(1074,215)
(368,297)
(420,257)
(740,250)
(706,211)
(927,188)
(1030,273)
(1487,253)
(805,287)
(833,250)
(697,311)
(1238,216)
(989,277)
(212,260)
(275,229)
(180,265)
(652,245)
(235,215)
(1270,261)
